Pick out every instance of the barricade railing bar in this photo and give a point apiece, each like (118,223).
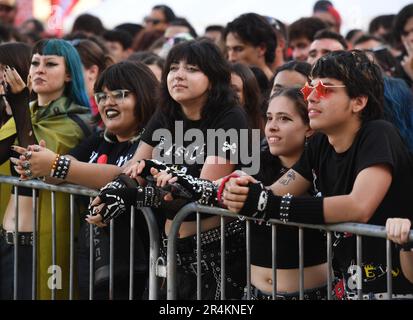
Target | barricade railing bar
(157,265)
(360,230)
(76,190)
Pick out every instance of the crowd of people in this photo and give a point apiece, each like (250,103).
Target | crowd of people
(269,120)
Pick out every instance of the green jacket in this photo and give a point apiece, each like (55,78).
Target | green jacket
(62,124)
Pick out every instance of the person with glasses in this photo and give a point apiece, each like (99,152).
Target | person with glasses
(125,94)
(159,18)
(286,132)
(196,97)
(8,12)
(281,51)
(358,163)
(59,116)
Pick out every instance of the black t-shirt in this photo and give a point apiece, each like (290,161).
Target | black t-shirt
(189,143)
(333,174)
(287,237)
(102,148)
(105,149)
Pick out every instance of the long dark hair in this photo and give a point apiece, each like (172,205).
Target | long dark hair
(138,79)
(16,55)
(271,164)
(207,56)
(253,99)
(400,21)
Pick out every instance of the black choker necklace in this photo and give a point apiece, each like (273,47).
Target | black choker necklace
(109,137)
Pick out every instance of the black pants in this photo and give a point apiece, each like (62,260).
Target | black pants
(235,264)
(121,261)
(24,291)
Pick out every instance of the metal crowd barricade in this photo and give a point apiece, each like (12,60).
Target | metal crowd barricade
(157,267)
(78,190)
(358,229)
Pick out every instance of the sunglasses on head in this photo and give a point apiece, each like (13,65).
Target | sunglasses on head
(117,95)
(321,89)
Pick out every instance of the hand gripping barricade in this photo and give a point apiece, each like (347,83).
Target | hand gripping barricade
(33,240)
(158,269)
(359,230)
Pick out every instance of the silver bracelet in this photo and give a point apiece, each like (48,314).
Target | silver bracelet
(285,207)
(62,168)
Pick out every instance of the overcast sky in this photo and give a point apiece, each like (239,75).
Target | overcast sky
(355,13)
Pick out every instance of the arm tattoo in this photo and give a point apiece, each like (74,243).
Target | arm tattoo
(285,180)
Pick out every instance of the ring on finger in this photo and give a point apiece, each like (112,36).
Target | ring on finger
(27,155)
(28,173)
(26,165)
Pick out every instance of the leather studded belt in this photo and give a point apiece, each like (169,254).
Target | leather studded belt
(23,238)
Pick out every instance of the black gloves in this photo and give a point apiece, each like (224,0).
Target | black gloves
(261,203)
(149,164)
(124,192)
(201,190)
(116,201)
(121,181)
(257,201)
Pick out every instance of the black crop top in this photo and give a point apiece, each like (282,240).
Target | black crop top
(287,237)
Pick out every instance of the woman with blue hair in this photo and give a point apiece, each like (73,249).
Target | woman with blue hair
(58,119)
